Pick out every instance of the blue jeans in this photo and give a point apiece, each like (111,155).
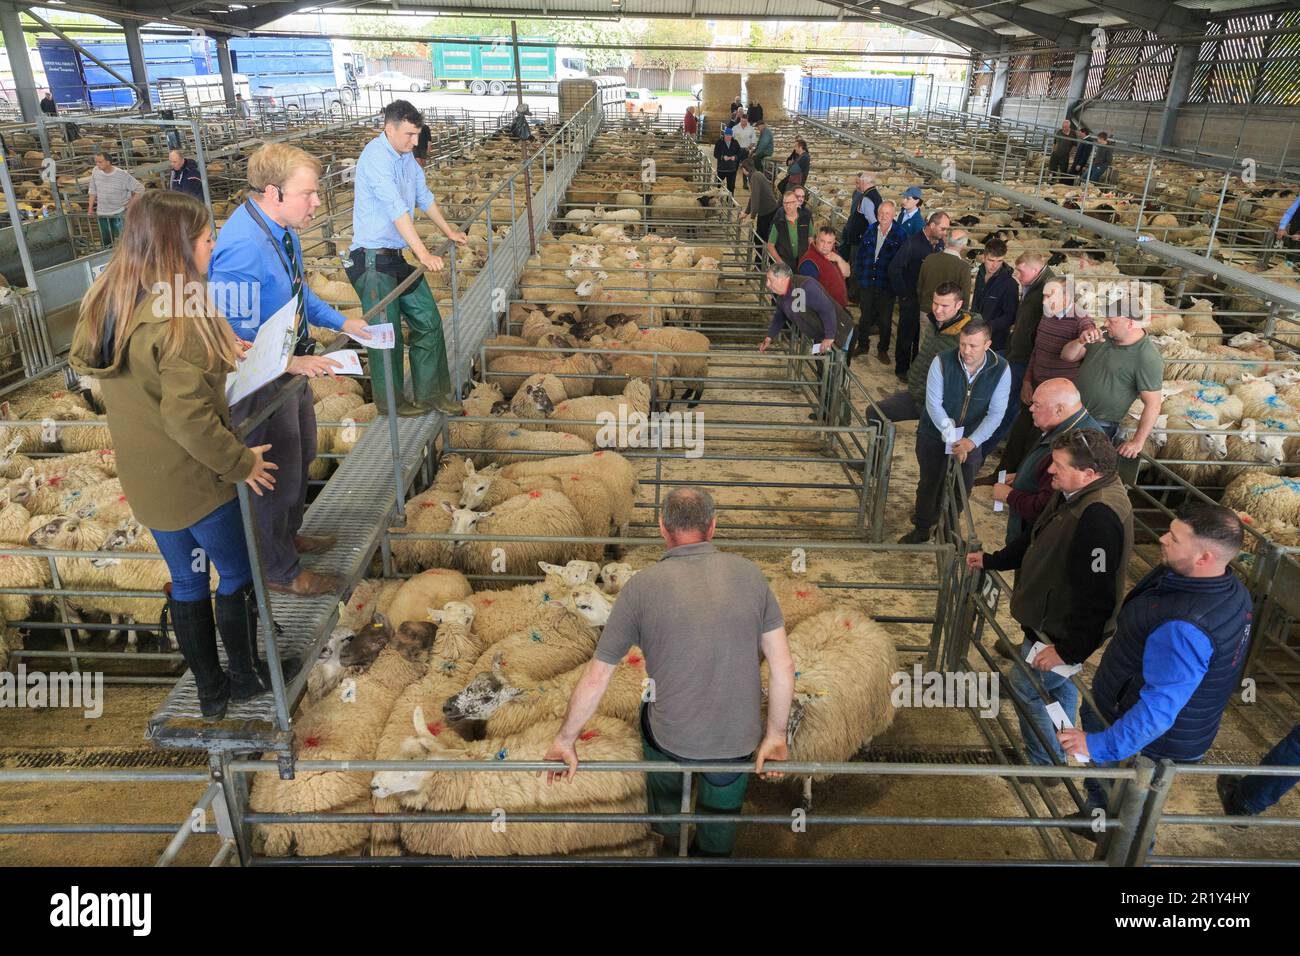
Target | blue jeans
(219,538)
(1061,688)
(1098,790)
(1257,794)
(1018,370)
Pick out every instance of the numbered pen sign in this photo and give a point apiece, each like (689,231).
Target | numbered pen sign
(96,270)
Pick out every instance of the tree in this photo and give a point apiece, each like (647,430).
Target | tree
(677,32)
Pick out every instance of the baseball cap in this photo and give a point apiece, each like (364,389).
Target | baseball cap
(913,191)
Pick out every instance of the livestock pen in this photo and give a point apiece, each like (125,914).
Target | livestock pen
(922,593)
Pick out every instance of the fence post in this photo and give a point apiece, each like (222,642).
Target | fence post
(1128,800)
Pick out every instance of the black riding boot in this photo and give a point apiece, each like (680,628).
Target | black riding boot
(196,635)
(237,621)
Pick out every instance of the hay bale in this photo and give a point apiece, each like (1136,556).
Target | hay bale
(768,90)
(720,90)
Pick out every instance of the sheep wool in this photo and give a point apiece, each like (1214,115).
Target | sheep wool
(429,590)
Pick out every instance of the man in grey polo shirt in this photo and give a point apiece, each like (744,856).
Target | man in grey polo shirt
(111,189)
(704,621)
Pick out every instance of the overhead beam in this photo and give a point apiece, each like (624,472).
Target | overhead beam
(1180,83)
(20,62)
(1159,16)
(1059,30)
(971,37)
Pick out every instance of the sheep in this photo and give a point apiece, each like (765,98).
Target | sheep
(508,443)
(615,575)
(659,369)
(44,494)
(1205,449)
(570,575)
(798,599)
(1266,452)
(693,367)
(13,464)
(478,404)
(68,533)
(604,739)
(500,613)
(1271,407)
(368,596)
(844,665)
(18,570)
(134,576)
(536,513)
(537,396)
(510,371)
(429,589)
(1252,389)
(1265,497)
(631,408)
(328,668)
(342,726)
(612,468)
(1207,405)
(553,636)
(589,495)
(495,704)
(425,514)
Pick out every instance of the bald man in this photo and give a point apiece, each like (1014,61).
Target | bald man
(1056,409)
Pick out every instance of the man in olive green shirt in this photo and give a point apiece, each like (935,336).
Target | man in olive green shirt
(1120,366)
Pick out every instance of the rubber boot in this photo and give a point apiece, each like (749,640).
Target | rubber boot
(196,636)
(237,621)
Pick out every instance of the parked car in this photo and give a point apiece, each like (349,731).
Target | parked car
(639,100)
(396,80)
(300,98)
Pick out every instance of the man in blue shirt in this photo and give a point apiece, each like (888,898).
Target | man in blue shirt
(1179,645)
(256,268)
(1288,227)
(389,187)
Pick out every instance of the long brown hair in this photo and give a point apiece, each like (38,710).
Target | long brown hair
(155,259)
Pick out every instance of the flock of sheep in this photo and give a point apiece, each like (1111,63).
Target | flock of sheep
(427,669)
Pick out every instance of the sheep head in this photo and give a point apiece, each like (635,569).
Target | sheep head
(463,521)
(22,488)
(475,487)
(1266,449)
(414,640)
(468,710)
(615,575)
(365,645)
(536,396)
(590,603)
(423,745)
(455,613)
(1215,445)
(572,574)
(68,533)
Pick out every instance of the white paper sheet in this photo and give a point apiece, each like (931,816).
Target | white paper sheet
(269,356)
(1061,722)
(348,359)
(951,436)
(381,337)
(1002,480)
(1062,670)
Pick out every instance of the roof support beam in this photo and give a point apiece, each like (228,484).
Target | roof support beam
(971,37)
(1180,83)
(1060,31)
(1160,17)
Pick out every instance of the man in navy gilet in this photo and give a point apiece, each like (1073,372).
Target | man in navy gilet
(1177,653)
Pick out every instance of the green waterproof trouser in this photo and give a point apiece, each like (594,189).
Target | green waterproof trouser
(715,793)
(110,227)
(430,378)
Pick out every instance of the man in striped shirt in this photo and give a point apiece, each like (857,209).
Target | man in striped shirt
(111,191)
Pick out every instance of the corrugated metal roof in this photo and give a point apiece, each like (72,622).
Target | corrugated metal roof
(968,22)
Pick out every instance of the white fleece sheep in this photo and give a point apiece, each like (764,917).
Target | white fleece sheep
(429,589)
(632,407)
(1265,497)
(844,665)
(612,468)
(603,739)
(533,513)
(343,725)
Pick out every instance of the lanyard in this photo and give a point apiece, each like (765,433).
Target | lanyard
(288,266)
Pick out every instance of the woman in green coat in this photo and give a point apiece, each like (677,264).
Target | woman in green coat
(163,372)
